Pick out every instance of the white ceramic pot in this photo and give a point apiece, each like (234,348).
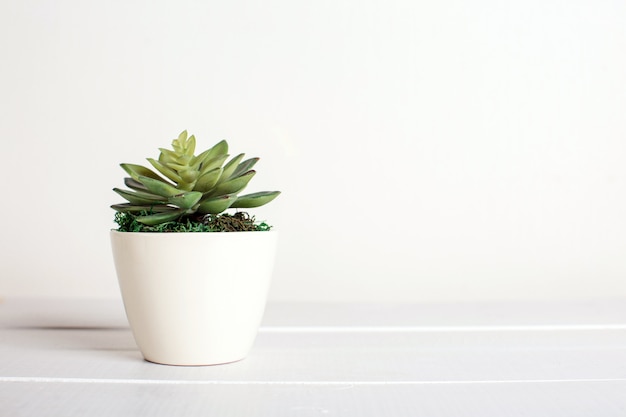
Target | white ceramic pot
(194,298)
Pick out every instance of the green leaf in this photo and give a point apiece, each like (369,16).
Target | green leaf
(208,180)
(179,143)
(158,218)
(168,156)
(139,197)
(189,175)
(219,149)
(186,200)
(177,167)
(133,184)
(212,163)
(159,187)
(197,160)
(230,167)
(255,199)
(234,185)
(244,167)
(126,207)
(168,172)
(136,171)
(191,146)
(216,205)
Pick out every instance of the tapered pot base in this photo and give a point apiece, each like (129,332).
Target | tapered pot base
(194,299)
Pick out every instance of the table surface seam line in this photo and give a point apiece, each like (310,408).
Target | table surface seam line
(315,383)
(438,329)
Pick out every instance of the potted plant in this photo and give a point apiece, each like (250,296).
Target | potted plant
(193,278)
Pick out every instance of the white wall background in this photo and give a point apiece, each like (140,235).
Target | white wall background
(426,150)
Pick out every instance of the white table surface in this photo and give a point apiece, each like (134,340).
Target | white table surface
(78,358)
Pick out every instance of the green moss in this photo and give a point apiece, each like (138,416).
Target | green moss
(238,222)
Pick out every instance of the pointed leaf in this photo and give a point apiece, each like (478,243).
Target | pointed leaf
(234,185)
(176,166)
(197,160)
(255,199)
(212,163)
(189,175)
(135,185)
(179,143)
(208,180)
(216,205)
(168,172)
(159,187)
(135,171)
(159,218)
(244,167)
(126,207)
(186,200)
(230,167)
(219,149)
(168,156)
(191,146)
(139,197)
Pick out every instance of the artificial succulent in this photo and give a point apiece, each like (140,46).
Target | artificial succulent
(189,185)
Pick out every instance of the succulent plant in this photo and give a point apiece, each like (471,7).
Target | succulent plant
(189,185)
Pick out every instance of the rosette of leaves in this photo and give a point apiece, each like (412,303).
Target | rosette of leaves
(189,184)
